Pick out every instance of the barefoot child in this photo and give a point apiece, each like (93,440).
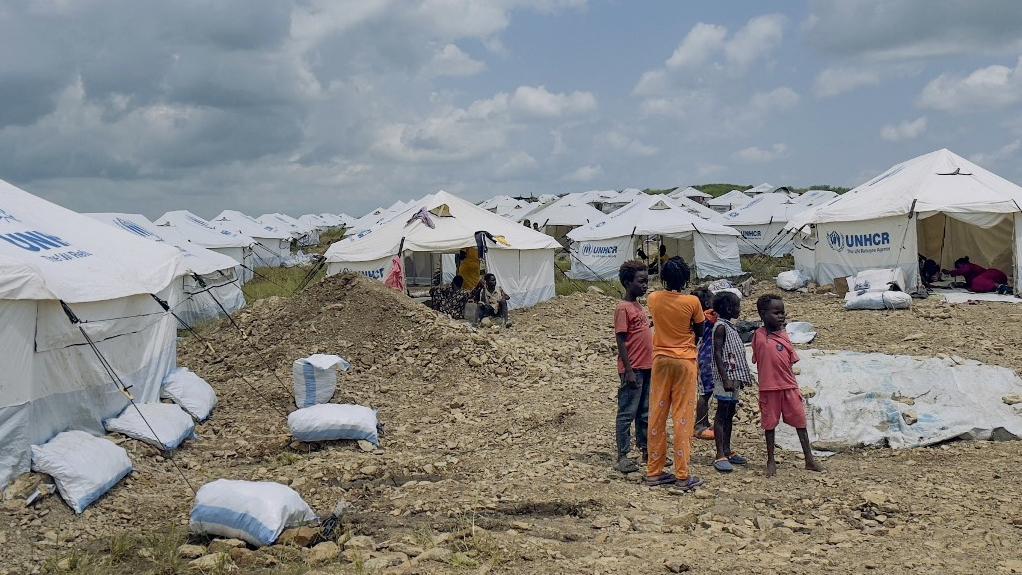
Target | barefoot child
(678,320)
(730,374)
(705,356)
(779,396)
(634,362)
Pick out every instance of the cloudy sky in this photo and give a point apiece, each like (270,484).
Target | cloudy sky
(345,105)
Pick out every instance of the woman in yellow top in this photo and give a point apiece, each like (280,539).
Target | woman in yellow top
(469,268)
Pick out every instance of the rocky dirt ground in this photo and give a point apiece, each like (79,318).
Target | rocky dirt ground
(498,449)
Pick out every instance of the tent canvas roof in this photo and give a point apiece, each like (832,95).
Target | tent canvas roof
(697,209)
(567,215)
(733,198)
(763,188)
(51,252)
(649,215)
(202,232)
(197,259)
(940,181)
(448,234)
(765,209)
(236,221)
(688,192)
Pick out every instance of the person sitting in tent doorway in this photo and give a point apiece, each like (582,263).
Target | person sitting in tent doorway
(929,271)
(535,226)
(491,299)
(451,299)
(979,279)
(469,268)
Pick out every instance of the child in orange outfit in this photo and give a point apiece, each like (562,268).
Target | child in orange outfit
(678,322)
(779,396)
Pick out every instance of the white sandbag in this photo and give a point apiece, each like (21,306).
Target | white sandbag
(330,421)
(83,467)
(878,300)
(873,399)
(800,332)
(191,392)
(315,378)
(162,425)
(791,280)
(254,511)
(878,280)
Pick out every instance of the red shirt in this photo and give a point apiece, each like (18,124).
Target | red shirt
(631,320)
(774,355)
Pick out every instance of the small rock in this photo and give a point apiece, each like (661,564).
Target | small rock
(298,482)
(366,446)
(300,536)
(914,336)
(838,537)
(764,523)
(225,545)
(242,555)
(676,566)
(910,417)
(808,392)
(594,289)
(438,554)
(384,560)
(64,564)
(1012,399)
(191,551)
(361,542)
(521,525)
(323,552)
(406,548)
(876,498)
(369,470)
(212,562)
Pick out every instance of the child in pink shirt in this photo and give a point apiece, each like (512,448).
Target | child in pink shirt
(779,396)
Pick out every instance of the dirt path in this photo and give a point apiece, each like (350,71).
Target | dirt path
(498,450)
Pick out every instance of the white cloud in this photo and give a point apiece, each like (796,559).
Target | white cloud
(627,145)
(836,81)
(758,38)
(708,169)
(756,155)
(778,99)
(538,102)
(518,164)
(585,173)
(701,43)
(452,61)
(1003,153)
(904,130)
(991,87)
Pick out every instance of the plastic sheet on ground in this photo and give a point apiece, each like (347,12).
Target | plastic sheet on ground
(800,332)
(961,296)
(902,402)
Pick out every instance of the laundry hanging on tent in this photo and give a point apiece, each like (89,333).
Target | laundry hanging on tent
(396,277)
(424,217)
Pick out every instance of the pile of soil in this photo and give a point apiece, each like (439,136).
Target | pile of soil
(498,450)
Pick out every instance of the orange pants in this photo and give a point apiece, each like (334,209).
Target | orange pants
(673,392)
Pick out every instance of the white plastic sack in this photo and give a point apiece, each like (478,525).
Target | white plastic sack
(878,280)
(330,421)
(791,280)
(315,378)
(800,332)
(162,425)
(878,300)
(872,399)
(83,467)
(254,511)
(191,392)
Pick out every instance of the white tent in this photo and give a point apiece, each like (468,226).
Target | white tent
(763,188)
(501,205)
(559,219)
(522,259)
(690,193)
(938,205)
(335,220)
(608,201)
(272,245)
(203,233)
(315,221)
(729,201)
(523,212)
(762,221)
(53,380)
(303,234)
(697,209)
(216,284)
(601,248)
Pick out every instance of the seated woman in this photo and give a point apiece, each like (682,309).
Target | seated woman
(979,279)
(491,298)
(450,299)
(929,271)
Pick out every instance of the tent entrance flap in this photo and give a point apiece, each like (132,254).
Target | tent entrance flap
(944,238)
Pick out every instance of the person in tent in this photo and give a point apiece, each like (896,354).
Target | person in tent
(469,268)
(929,271)
(535,226)
(979,279)
(526,223)
(491,299)
(451,299)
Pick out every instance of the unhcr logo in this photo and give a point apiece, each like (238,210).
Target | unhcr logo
(199,222)
(34,241)
(858,242)
(130,226)
(603,251)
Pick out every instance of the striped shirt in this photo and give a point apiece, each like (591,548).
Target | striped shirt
(735,362)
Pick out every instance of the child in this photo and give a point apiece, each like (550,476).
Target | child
(679,321)
(730,374)
(705,354)
(635,360)
(779,396)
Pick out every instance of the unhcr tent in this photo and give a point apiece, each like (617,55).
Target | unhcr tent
(272,247)
(522,259)
(762,221)
(763,188)
(203,233)
(697,209)
(729,201)
(63,275)
(938,205)
(599,249)
(210,283)
(557,220)
(303,234)
(690,193)
(314,221)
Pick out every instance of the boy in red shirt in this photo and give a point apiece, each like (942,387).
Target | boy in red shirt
(634,362)
(779,396)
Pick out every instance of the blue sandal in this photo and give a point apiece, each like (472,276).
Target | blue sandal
(723,465)
(736,459)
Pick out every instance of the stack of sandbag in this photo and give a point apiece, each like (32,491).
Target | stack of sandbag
(877,289)
(190,391)
(315,378)
(256,512)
